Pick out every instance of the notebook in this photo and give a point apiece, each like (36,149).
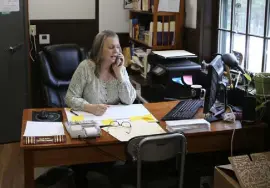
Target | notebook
(44,133)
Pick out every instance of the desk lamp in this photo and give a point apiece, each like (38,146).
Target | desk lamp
(231,61)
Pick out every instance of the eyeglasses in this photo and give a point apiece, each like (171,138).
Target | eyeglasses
(123,125)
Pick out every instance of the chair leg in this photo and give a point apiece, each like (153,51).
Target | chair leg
(139,165)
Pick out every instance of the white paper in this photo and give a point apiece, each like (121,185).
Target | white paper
(186,122)
(138,128)
(9,5)
(191,14)
(188,125)
(35,128)
(113,112)
(174,53)
(169,5)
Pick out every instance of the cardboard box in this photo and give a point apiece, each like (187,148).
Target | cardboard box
(224,177)
(244,172)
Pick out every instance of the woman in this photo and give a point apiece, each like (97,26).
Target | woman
(98,82)
(101,80)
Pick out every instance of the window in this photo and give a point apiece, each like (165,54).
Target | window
(244,26)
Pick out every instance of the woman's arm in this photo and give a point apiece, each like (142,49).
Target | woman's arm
(127,93)
(74,94)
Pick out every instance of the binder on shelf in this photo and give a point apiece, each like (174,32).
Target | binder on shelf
(166,36)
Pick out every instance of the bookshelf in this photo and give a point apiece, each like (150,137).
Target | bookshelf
(156,30)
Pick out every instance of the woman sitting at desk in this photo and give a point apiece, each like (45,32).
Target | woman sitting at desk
(97,82)
(102,79)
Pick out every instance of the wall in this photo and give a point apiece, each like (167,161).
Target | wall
(191,14)
(200,34)
(69,21)
(61,9)
(113,16)
(66,21)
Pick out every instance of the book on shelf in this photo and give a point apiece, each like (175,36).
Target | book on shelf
(132,25)
(44,133)
(137,5)
(165,33)
(144,5)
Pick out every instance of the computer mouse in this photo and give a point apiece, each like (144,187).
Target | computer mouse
(43,115)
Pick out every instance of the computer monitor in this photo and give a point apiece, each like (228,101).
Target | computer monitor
(214,79)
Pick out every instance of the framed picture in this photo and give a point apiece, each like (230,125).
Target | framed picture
(128,4)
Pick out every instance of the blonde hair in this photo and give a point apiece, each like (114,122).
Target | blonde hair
(97,48)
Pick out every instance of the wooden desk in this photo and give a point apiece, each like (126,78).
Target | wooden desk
(107,148)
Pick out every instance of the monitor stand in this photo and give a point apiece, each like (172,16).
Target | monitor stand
(213,117)
(217,115)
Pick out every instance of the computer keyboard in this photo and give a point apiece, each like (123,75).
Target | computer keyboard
(184,110)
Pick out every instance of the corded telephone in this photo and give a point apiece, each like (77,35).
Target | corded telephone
(83,129)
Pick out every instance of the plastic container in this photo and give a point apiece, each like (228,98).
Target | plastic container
(262,84)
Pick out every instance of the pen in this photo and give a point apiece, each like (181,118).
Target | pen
(73,112)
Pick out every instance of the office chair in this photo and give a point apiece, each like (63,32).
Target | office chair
(57,65)
(157,148)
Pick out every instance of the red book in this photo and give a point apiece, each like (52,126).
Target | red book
(32,140)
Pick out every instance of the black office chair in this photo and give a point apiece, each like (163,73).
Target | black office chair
(156,151)
(57,65)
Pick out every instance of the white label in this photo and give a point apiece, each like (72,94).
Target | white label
(9,5)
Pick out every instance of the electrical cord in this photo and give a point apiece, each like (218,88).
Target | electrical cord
(31,49)
(99,149)
(232,138)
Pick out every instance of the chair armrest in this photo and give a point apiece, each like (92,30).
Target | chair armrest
(141,99)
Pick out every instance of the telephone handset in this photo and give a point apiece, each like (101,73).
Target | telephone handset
(118,60)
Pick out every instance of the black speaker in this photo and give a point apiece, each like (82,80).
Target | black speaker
(249,105)
(48,116)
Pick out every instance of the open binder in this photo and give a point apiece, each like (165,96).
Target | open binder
(44,133)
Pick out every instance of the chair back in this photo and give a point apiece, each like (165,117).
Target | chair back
(57,65)
(154,148)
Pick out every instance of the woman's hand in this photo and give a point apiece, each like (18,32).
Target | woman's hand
(96,109)
(118,66)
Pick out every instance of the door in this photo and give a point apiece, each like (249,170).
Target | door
(14,72)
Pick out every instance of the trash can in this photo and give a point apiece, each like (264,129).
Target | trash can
(59,177)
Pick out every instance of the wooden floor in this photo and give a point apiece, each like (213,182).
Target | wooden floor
(11,166)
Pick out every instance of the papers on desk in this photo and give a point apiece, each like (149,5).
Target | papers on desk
(44,132)
(138,128)
(174,54)
(114,112)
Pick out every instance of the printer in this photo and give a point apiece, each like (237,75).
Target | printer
(166,77)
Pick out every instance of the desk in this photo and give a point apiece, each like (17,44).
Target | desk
(107,148)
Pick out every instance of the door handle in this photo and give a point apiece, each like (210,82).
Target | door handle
(13,49)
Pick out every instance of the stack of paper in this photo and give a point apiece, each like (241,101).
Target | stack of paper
(35,128)
(114,112)
(187,126)
(169,5)
(174,54)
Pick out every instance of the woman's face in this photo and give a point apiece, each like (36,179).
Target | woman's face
(111,50)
